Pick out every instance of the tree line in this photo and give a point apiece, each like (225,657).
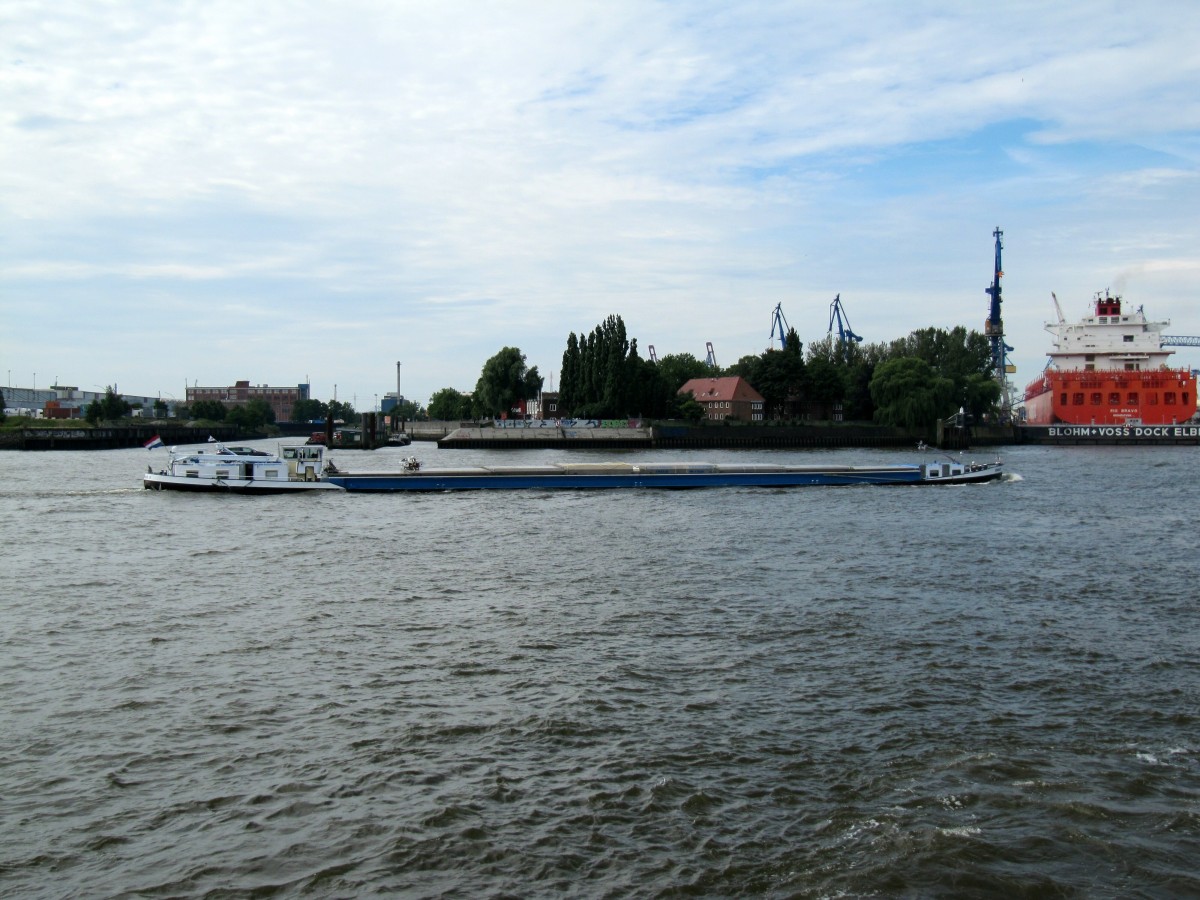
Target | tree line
(911,381)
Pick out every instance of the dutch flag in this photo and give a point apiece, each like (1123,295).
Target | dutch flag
(155,441)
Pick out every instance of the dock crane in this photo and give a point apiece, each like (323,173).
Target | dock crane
(993,328)
(653,355)
(711,360)
(779,323)
(837,314)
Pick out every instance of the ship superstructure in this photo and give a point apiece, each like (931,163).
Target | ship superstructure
(1110,368)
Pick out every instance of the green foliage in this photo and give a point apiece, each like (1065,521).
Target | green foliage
(603,376)
(677,369)
(160,408)
(336,409)
(253,414)
(307,410)
(689,409)
(448,405)
(407,410)
(109,408)
(981,394)
(2,414)
(909,393)
(213,410)
(780,376)
(504,381)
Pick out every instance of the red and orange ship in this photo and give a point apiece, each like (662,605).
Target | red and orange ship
(1110,368)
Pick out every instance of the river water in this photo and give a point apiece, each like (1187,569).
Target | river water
(988,690)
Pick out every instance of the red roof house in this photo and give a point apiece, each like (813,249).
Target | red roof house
(726,398)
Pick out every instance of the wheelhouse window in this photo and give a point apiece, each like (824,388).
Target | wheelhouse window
(1169,398)
(1077,398)
(1133,398)
(1095,398)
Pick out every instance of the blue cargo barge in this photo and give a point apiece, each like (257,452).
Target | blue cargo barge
(583,476)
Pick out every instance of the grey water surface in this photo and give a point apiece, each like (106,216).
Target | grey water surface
(988,690)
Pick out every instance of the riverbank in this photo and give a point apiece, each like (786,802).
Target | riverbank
(115,437)
(451,435)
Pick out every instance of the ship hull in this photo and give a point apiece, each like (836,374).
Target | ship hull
(1116,397)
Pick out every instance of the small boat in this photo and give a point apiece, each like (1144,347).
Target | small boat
(243,470)
(583,476)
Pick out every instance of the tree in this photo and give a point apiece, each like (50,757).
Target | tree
(308,410)
(677,369)
(253,414)
(3,416)
(408,410)
(981,394)
(602,375)
(569,385)
(449,405)
(907,392)
(780,376)
(337,410)
(687,407)
(160,408)
(213,410)
(504,381)
(109,408)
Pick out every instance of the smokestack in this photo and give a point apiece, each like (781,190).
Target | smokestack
(397,381)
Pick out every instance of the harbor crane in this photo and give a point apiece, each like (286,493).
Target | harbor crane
(711,360)
(837,315)
(779,323)
(993,328)
(653,355)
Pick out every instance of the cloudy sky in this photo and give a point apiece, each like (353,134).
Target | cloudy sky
(207,191)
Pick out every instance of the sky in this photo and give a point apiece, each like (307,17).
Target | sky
(207,191)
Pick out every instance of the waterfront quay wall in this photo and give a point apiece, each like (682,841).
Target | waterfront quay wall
(680,437)
(113,438)
(1081,435)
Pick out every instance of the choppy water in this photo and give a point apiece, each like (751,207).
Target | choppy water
(826,692)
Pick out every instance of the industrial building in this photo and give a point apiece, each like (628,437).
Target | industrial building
(280,399)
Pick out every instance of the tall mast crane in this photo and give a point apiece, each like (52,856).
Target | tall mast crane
(712,357)
(653,355)
(993,328)
(779,323)
(837,315)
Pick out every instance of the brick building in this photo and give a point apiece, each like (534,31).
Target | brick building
(280,399)
(726,398)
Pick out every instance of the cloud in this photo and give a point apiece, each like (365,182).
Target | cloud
(430,182)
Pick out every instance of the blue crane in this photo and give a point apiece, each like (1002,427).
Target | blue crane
(837,313)
(712,357)
(779,323)
(993,328)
